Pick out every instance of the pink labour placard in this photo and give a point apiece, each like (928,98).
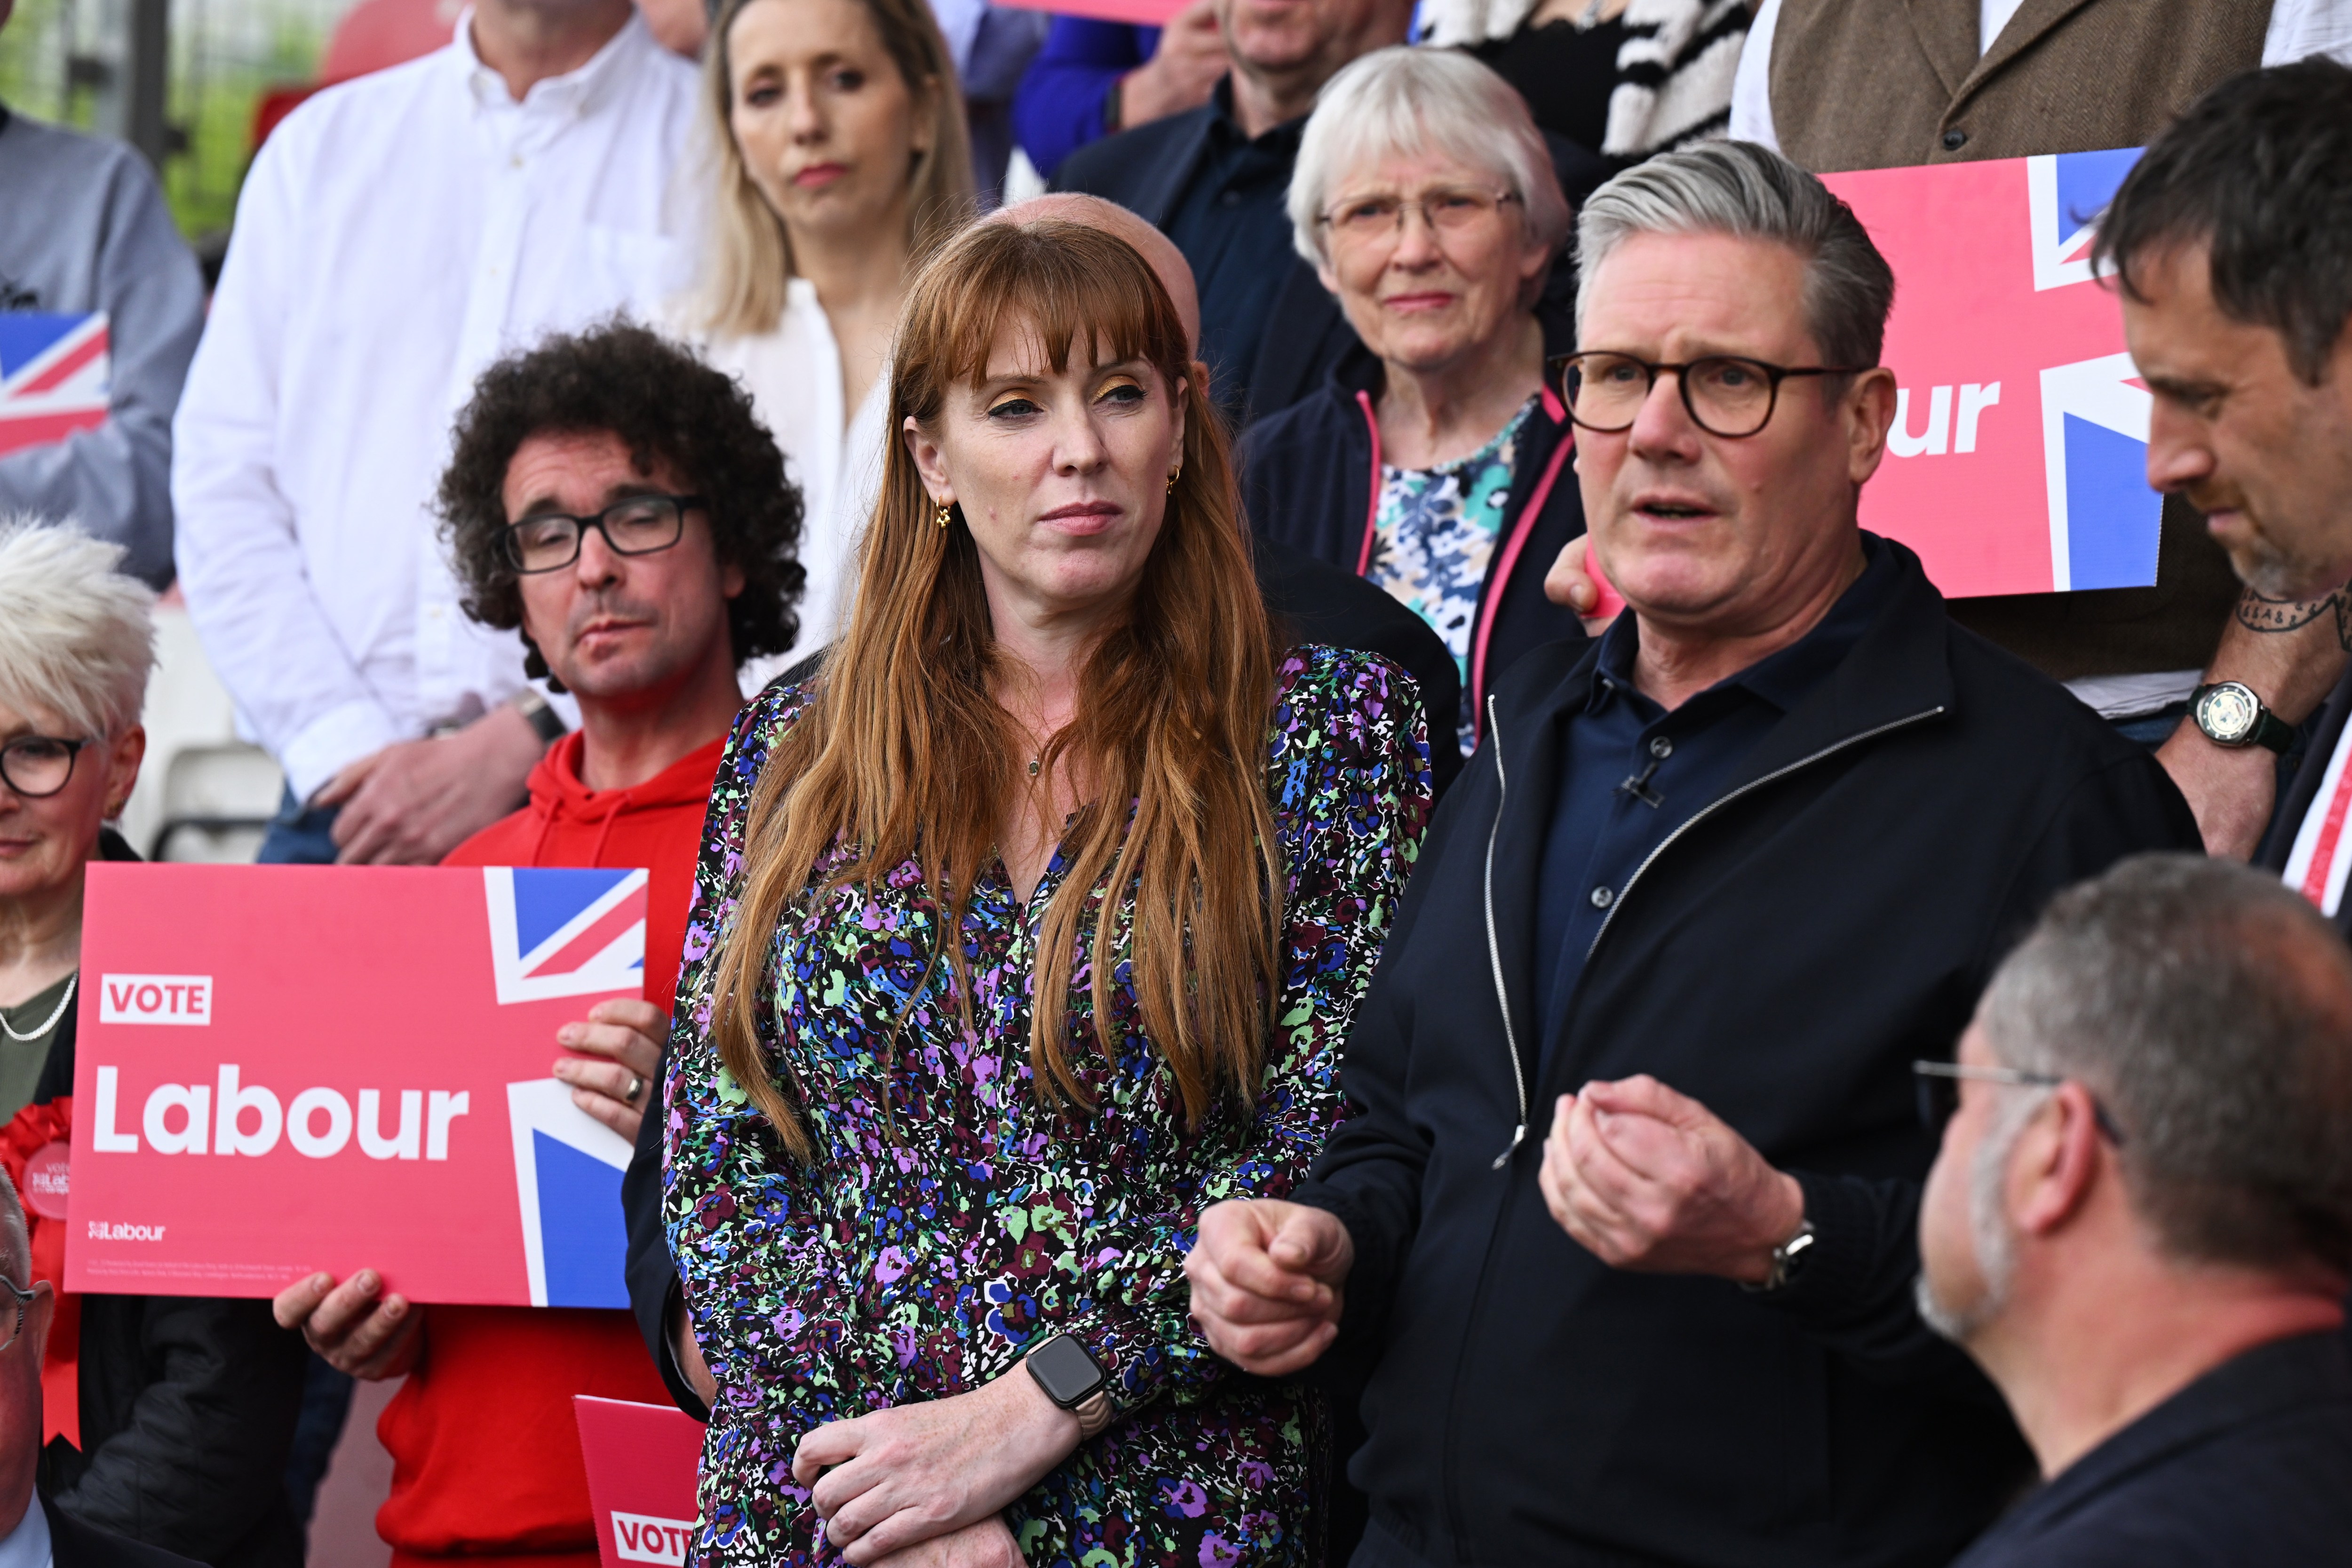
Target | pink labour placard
(286,1068)
(641,1460)
(2018,459)
(1142,13)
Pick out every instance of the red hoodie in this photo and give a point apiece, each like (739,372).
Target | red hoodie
(485,1453)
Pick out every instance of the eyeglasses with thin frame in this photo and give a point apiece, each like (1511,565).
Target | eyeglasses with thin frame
(37,766)
(640,525)
(1939,1093)
(24,1304)
(1363,221)
(1729,395)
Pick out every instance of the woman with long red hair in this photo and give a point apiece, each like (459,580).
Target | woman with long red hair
(1027,928)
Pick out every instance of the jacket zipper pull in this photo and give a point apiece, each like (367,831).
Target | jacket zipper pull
(1518,1136)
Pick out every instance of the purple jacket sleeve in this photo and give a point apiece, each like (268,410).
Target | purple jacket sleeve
(1059,106)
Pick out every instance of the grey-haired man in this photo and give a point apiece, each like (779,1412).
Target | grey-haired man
(2140,1224)
(1720,876)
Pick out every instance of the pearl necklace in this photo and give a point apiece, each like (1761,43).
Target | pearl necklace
(51,1022)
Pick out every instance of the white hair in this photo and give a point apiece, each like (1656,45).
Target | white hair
(76,636)
(1407,101)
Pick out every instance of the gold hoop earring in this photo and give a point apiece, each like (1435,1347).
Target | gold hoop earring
(940,516)
(1174,475)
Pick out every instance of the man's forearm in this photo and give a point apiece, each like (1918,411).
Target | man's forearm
(2291,652)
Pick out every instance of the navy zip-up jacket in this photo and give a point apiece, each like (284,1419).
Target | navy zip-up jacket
(1782,958)
(1308,479)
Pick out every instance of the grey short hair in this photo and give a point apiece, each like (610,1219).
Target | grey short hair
(1415,101)
(1749,192)
(16,1240)
(2210,1008)
(76,636)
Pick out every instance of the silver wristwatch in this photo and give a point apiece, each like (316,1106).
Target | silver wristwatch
(1787,1259)
(2231,714)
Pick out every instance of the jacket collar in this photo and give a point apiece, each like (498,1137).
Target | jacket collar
(2285,1374)
(2033,19)
(1899,673)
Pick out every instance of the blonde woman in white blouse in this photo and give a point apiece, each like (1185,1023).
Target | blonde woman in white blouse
(841,160)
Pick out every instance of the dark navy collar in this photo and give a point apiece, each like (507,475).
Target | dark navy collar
(1226,131)
(1783,678)
(2285,1374)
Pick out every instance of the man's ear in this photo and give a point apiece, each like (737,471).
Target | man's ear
(1867,410)
(2059,1162)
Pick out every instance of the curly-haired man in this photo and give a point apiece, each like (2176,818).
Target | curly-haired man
(617,502)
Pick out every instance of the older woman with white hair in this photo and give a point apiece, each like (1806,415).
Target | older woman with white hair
(176,1411)
(76,643)
(1431,462)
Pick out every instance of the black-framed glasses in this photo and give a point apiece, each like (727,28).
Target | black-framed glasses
(37,766)
(1374,219)
(1725,395)
(24,1304)
(641,525)
(1939,1093)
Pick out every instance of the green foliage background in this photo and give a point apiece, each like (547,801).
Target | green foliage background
(224,56)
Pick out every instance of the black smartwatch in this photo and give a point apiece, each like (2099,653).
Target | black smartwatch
(2231,715)
(1070,1378)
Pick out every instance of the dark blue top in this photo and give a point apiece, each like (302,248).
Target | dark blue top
(1230,226)
(2250,1464)
(1058,108)
(1631,772)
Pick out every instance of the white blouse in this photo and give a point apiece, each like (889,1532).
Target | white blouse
(793,374)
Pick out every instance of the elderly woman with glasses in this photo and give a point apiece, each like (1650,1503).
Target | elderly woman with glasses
(1434,461)
(177,1411)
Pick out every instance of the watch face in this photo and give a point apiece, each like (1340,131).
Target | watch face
(2227,713)
(1064,1370)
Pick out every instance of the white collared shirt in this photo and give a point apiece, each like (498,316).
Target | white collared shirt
(2298,29)
(397,234)
(793,374)
(28,1545)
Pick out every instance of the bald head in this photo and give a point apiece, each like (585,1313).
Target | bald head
(1159,252)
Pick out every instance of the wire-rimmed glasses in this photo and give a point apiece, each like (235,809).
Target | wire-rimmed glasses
(1360,222)
(1939,1092)
(1725,395)
(640,525)
(37,766)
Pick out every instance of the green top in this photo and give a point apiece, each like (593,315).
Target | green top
(21,1060)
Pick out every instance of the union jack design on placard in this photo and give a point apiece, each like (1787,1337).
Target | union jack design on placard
(565,932)
(2104,520)
(53,377)
(2018,457)
(568,1169)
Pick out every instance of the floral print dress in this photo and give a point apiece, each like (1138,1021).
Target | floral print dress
(952,1219)
(1434,533)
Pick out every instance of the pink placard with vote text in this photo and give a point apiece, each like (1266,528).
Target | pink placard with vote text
(286,1068)
(642,1461)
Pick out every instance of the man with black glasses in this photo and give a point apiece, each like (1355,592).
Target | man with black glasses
(1625,1235)
(619,502)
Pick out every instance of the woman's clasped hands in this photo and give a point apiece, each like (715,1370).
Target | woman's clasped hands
(922,1484)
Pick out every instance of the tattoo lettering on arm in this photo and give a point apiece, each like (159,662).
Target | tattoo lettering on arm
(2260,613)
